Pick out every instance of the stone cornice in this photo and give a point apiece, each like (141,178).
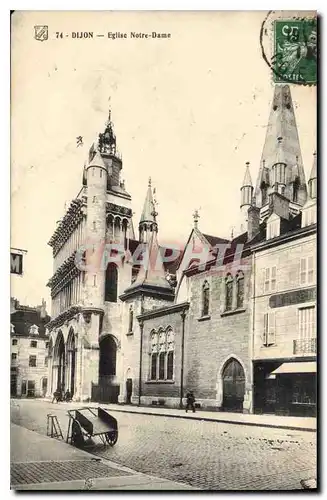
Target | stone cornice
(70,313)
(65,273)
(148,290)
(70,221)
(285,238)
(162,311)
(112,208)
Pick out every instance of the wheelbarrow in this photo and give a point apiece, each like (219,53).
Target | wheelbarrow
(88,422)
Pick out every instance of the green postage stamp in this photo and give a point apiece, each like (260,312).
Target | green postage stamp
(295,51)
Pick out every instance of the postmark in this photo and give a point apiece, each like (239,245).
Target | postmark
(289,47)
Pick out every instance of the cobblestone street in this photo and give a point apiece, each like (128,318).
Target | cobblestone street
(206,455)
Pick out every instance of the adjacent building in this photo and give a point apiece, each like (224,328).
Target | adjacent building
(29,350)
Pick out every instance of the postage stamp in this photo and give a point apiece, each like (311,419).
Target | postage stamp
(295,51)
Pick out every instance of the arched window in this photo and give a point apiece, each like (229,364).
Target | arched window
(153,355)
(229,292)
(162,355)
(111,283)
(130,319)
(205,298)
(162,347)
(170,354)
(239,290)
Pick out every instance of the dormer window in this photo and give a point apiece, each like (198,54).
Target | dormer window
(34,330)
(273,227)
(309,216)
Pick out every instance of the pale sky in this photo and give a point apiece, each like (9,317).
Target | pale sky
(189,111)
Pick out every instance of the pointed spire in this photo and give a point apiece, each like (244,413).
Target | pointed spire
(247,181)
(313,173)
(97,161)
(107,140)
(147,212)
(152,272)
(281,123)
(196,217)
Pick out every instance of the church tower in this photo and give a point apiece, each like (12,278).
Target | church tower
(148,222)
(281,167)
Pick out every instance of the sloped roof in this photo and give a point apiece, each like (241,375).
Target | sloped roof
(24,317)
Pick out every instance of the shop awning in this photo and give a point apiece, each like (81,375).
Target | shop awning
(296,367)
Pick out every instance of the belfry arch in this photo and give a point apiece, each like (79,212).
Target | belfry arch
(109,388)
(59,365)
(71,362)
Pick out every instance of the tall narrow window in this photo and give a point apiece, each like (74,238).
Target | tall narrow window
(269,333)
(307,270)
(153,355)
(205,298)
(154,366)
(130,320)
(162,359)
(229,292)
(170,355)
(111,283)
(162,355)
(239,290)
(273,278)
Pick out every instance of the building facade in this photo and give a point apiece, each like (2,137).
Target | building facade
(137,323)
(29,351)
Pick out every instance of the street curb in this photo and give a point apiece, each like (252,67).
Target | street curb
(209,419)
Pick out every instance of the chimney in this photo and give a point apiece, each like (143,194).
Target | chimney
(253,222)
(43,312)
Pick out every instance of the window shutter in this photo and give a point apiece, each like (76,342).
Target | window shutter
(310,269)
(273,278)
(271,337)
(303,270)
(265,328)
(267,278)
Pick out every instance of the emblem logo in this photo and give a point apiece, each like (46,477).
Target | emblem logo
(41,33)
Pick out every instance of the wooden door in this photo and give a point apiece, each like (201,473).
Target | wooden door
(233,386)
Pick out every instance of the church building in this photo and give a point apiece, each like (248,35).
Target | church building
(138,323)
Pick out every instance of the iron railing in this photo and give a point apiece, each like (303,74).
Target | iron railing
(305,346)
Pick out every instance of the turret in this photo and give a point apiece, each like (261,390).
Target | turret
(279,169)
(148,222)
(96,174)
(312,183)
(246,192)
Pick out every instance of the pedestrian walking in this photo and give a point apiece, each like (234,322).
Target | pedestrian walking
(190,401)
(56,397)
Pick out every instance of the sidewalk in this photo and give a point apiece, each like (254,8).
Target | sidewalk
(42,463)
(275,421)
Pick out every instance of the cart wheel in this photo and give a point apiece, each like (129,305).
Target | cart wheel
(111,437)
(77,435)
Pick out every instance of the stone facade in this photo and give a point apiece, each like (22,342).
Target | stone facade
(29,351)
(146,331)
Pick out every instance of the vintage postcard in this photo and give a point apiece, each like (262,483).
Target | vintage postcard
(163,250)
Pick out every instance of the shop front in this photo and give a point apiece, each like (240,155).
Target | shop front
(289,388)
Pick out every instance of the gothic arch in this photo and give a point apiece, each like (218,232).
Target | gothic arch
(224,363)
(71,361)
